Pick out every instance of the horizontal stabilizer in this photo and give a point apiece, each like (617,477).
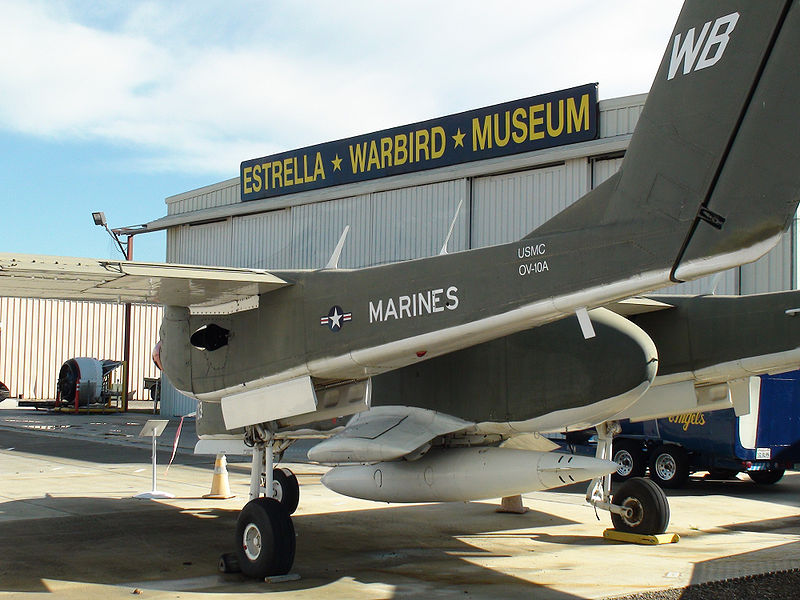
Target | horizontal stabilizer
(66,278)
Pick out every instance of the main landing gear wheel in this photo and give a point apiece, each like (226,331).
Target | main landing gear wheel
(285,489)
(669,467)
(629,456)
(648,505)
(265,540)
(766,477)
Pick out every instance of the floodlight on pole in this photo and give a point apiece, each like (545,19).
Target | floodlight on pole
(99,219)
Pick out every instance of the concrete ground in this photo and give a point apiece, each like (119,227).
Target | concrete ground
(69,528)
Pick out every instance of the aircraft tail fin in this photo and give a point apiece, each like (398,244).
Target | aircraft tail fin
(711,170)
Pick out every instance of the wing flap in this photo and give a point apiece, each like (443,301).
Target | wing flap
(66,278)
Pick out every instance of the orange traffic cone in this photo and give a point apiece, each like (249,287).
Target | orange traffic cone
(220,489)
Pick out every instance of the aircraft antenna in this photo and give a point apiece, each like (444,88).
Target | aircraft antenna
(333,262)
(452,225)
(715,282)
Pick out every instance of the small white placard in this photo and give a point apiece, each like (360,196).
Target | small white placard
(153,427)
(763,453)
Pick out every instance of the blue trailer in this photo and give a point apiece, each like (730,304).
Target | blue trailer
(762,444)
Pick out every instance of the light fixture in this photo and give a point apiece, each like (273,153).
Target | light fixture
(99,219)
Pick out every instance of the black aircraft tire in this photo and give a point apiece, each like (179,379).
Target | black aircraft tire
(628,454)
(669,466)
(649,504)
(766,477)
(286,489)
(265,540)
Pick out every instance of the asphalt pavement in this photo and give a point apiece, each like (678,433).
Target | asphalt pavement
(70,527)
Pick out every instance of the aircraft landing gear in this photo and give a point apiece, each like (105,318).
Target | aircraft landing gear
(285,489)
(639,505)
(648,510)
(265,538)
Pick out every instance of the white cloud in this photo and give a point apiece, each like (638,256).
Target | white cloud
(198,87)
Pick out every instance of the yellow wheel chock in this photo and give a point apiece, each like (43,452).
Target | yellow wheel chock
(644,540)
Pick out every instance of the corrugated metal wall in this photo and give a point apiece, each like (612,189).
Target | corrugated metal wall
(507,207)
(220,194)
(618,116)
(410,223)
(263,241)
(38,336)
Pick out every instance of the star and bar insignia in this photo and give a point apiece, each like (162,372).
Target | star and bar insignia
(335,318)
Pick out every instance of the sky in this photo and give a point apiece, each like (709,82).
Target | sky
(115,105)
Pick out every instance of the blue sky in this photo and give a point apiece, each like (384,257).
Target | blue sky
(114,106)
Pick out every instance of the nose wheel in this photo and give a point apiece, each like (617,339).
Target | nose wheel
(266,539)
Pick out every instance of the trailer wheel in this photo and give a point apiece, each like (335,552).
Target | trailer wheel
(766,477)
(265,540)
(669,466)
(629,456)
(648,505)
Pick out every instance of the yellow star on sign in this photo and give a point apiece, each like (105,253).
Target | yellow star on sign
(459,138)
(337,163)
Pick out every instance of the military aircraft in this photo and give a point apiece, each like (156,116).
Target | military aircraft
(448,361)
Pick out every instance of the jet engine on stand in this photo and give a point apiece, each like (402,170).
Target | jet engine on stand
(83,382)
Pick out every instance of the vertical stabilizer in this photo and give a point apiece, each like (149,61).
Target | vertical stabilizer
(710,177)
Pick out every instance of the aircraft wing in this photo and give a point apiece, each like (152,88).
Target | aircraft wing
(386,433)
(66,278)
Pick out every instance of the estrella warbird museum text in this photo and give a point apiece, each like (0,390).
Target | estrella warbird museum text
(554,119)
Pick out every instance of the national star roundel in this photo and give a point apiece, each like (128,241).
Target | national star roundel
(335,318)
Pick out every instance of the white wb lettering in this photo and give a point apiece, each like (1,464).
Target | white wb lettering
(706,51)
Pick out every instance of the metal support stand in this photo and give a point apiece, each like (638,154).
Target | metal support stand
(261,469)
(599,492)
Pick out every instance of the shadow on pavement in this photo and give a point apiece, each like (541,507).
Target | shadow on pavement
(99,452)
(421,550)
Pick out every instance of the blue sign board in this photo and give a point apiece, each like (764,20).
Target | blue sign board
(553,119)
